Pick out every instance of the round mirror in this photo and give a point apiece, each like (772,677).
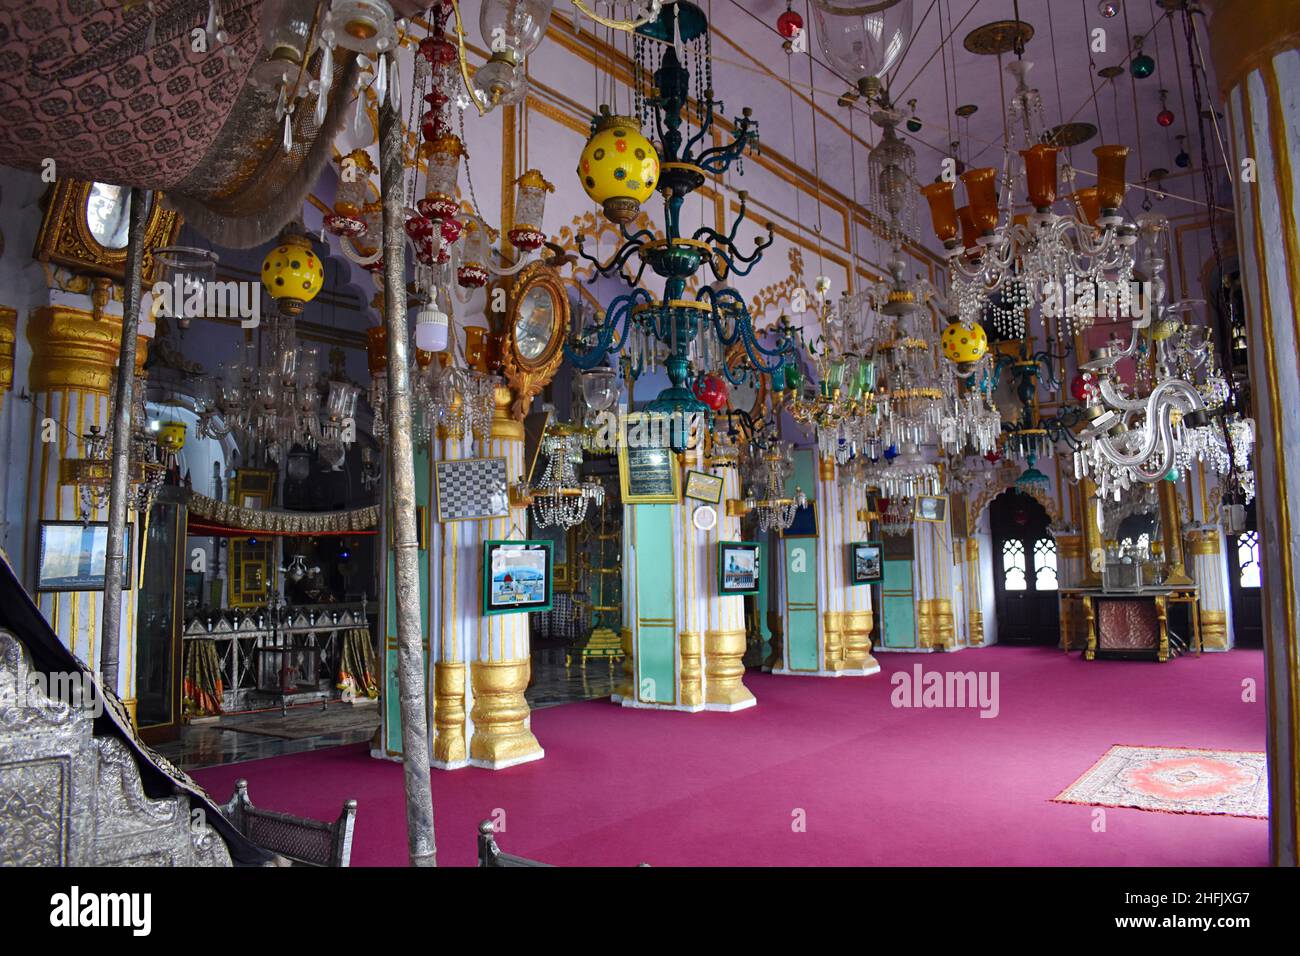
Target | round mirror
(108,209)
(535,323)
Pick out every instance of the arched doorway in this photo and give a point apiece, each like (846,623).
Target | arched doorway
(1024,570)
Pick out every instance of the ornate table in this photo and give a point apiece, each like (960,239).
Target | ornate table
(1125,622)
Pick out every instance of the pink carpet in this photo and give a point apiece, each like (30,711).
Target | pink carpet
(877,785)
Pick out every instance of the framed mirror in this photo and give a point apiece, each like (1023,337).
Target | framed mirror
(86,224)
(537,321)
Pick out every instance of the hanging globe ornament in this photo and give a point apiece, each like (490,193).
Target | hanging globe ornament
(618,167)
(1183,159)
(913,124)
(1142,65)
(1108,8)
(1166,116)
(789,24)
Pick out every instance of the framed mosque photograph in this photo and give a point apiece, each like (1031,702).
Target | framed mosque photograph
(738,567)
(518,576)
(931,508)
(866,562)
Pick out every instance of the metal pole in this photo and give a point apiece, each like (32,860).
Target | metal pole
(401,474)
(123,400)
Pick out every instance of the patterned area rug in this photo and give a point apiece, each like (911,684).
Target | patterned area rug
(1175,780)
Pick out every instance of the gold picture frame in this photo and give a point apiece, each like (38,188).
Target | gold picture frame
(526,369)
(67,237)
(932,508)
(645,461)
(701,486)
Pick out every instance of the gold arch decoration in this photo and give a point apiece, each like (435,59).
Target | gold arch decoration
(1004,479)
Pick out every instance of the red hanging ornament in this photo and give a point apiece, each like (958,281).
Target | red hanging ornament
(1082,386)
(712,391)
(789,24)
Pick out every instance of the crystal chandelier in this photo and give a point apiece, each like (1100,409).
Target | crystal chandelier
(695,333)
(91,474)
(559,498)
(896,515)
(1144,436)
(767,468)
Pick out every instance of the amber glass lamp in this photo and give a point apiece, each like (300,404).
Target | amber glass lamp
(982,198)
(1110,177)
(969,234)
(943,210)
(1040,175)
(1089,204)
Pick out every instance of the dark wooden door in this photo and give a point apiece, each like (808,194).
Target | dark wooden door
(1024,571)
(1244,571)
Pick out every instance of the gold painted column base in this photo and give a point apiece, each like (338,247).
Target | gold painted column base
(832,641)
(857,641)
(449,716)
(975,624)
(934,624)
(501,735)
(692,694)
(1214,630)
(726,690)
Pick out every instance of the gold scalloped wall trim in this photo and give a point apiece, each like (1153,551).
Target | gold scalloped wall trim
(269,521)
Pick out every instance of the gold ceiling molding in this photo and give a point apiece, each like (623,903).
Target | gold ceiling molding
(1247,34)
(72,349)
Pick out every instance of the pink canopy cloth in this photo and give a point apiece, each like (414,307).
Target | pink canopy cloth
(116,93)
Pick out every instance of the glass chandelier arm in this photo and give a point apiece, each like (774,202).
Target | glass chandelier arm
(481,104)
(617,321)
(350,251)
(706,127)
(614,265)
(719,158)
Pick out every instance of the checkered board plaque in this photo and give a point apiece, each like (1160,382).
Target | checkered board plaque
(472,489)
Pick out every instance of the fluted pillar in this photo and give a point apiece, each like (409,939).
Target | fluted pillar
(932,574)
(74,352)
(684,643)
(499,660)
(1205,560)
(1255,47)
(973,588)
(859,614)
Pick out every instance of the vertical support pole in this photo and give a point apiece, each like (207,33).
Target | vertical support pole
(401,476)
(123,399)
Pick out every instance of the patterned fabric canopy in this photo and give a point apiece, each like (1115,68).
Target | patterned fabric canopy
(77,86)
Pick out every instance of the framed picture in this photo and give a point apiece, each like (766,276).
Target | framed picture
(471,489)
(738,567)
(960,517)
(704,487)
(647,475)
(254,488)
(517,576)
(804,524)
(931,508)
(866,562)
(72,556)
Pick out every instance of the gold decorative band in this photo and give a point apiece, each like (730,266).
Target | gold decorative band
(1203,542)
(504,426)
(71,349)
(1246,34)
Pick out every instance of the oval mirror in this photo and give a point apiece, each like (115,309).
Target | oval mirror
(108,210)
(535,323)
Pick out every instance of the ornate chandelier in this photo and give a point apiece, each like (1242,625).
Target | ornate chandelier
(620,169)
(767,468)
(559,498)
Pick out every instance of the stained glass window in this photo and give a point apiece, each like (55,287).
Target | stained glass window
(1248,559)
(1013,565)
(1045,564)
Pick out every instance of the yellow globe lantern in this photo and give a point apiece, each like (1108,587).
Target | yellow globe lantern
(292,273)
(171,436)
(963,344)
(619,167)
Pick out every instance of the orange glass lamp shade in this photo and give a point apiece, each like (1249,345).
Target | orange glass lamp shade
(969,234)
(1089,204)
(1040,175)
(943,210)
(1111,185)
(982,198)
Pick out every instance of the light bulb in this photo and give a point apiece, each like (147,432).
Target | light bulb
(431,327)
